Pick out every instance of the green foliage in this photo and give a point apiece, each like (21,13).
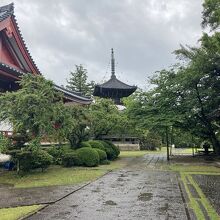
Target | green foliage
(104,117)
(70,159)
(211,14)
(32,160)
(152,141)
(102,154)
(114,147)
(88,156)
(5,143)
(96,144)
(31,107)
(85,144)
(56,153)
(111,150)
(184,96)
(78,132)
(78,81)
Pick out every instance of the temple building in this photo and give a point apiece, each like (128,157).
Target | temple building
(114,88)
(15,59)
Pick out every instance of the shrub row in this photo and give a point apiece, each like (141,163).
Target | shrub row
(91,153)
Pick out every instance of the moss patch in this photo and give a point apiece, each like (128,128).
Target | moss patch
(194,202)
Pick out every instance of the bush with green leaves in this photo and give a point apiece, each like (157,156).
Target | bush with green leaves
(85,144)
(114,147)
(88,156)
(57,153)
(102,154)
(96,144)
(5,143)
(111,155)
(70,159)
(29,160)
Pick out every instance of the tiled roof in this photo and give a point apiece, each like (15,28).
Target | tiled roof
(11,69)
(114,83)
(73,94)
(8,11)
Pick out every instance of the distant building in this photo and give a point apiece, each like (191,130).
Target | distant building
(114,88)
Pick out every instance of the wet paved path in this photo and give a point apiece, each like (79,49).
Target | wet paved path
(138,191)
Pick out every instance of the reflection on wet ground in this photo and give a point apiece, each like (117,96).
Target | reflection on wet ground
(139,191)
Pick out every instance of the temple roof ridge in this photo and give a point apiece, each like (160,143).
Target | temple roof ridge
(7,11)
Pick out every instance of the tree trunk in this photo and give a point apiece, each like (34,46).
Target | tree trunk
(167,142)
(215,143)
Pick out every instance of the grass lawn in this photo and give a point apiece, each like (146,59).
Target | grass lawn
(18,212)
(56,175)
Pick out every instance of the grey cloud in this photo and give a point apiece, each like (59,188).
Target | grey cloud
(143,33)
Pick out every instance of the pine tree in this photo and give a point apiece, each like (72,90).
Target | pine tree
(78,81)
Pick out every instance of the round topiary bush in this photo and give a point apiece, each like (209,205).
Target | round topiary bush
(88,156)
(102,154)
(96,144)
(70,159)
(114,147)
(111,150)
(85,144)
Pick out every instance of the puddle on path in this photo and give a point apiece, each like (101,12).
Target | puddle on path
(96,190)
(163,208)
(145,197)
(110,202)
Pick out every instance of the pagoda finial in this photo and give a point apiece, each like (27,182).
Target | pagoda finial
(113,64)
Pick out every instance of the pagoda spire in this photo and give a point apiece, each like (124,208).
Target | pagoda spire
(113,64)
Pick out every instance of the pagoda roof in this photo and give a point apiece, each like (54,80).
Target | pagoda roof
(113,88)
(114,83)
(16,60)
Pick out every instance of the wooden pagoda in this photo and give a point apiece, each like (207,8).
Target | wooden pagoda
(15,59)
(113,88)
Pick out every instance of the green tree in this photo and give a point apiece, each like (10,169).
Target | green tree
(78,132)
(32,108)
(104,117)
(211,14)
(35,110)
(78,81)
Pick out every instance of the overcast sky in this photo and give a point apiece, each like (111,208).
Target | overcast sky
(143,33)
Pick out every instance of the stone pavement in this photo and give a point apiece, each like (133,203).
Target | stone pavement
(13,197)
(139,191)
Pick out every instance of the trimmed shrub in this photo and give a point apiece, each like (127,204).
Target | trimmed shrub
(88,156)
(70,159)
(85,144)
(41,159)
(114,147)
(111,155)
(102,154)
(32,160)
(96,144)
